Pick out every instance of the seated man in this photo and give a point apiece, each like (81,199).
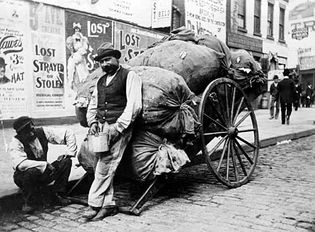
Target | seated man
(28,150)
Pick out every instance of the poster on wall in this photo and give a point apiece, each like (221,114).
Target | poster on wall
(301,34)
(161,13)
(132,41)
(206,17)
(14,82)
(48,60)
(127,10)
(84,34)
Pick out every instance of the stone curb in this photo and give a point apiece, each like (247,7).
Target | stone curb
(14,200)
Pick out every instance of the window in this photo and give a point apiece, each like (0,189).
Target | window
(281,24)
(241,14)
(270,21)
(257,11)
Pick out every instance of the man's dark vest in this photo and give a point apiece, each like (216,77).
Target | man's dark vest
(39,132)
(111,99)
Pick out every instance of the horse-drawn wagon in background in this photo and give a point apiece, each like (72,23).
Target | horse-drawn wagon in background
(197,99)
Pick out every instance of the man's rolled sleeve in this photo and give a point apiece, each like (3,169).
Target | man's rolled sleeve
(62,136)
(92,108)
(134,102)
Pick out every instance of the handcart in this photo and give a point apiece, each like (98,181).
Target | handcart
(228,140)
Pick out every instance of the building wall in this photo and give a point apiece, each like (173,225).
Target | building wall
(258,45)
(275,46)
(43,55)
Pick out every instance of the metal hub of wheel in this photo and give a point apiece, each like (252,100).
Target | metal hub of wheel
(232,132)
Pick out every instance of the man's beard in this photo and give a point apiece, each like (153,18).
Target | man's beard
(110,69)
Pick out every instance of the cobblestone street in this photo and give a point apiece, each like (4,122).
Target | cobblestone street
(279,198)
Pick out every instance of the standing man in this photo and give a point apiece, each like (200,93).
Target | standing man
(274,102)
(286,91)
(115,104)
(309,94)
(297,95)
(28,150)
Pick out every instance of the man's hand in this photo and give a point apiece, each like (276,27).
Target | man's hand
(94,129)
(51,169)
(113,134)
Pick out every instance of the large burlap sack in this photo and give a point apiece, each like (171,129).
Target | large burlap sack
(180,33)
(197,64)
(149,155)
(167,103)
(217,45)
(248,73)
(244,63)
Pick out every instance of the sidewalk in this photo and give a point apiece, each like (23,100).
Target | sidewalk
(270,132)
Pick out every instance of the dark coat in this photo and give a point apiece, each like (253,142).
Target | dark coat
(273,90)
(286,90)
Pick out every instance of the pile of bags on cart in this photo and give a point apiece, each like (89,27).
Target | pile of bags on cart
(174,72)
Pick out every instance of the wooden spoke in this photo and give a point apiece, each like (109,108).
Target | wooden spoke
(238,110)
(217,113)
(246,142)
(239,159)
(215,122)
(228,161)
(227,103)
(222,155)
(220,105)
(218,144)
(242,119)
(215,133)
(234,161)
(247,130)
(232,108)
(244,152)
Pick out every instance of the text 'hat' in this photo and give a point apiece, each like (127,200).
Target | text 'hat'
(107,49)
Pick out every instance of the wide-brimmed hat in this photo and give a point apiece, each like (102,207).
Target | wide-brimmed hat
(107,49)
(21,122)
(286,72)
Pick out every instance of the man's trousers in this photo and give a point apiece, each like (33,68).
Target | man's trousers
(102,189)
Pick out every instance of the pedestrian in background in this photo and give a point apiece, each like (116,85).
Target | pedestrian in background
(286,91)
(32,171)
(308,95)
(274,98)
(297,95)
(115,104)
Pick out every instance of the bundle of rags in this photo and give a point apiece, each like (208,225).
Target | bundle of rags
(167,121)
(197,64)
(247,73)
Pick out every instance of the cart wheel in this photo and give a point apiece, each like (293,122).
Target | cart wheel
(229,132)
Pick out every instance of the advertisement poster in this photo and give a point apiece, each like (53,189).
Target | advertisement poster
(14,83)
(84,35)
(132,41)
(206,17)
(161,13)
(127,10)
(301,34)
(48,59)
